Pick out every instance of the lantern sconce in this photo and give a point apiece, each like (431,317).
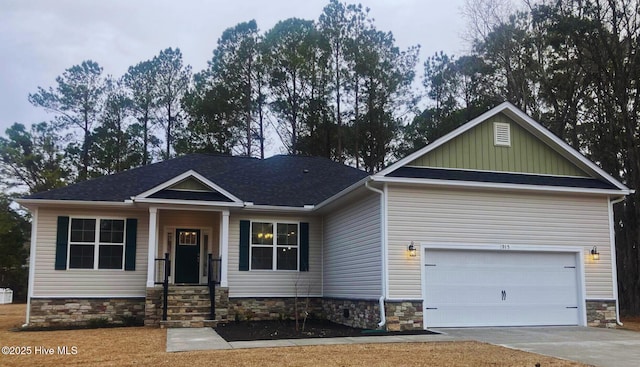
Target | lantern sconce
(595,255)
(412,250)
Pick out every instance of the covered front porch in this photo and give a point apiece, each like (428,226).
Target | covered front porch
(188,237)
(187,266)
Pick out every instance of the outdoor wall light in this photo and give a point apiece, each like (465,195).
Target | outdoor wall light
(595,255)
(412,250)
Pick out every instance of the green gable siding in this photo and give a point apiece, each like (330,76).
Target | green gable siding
(475,150)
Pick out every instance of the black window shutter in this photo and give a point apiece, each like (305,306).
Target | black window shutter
(62,238)
(304,246)
(130,244)
(245,227)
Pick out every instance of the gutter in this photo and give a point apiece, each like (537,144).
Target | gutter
(383,318)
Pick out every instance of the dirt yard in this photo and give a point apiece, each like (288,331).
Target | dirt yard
(143,346)
(631,323)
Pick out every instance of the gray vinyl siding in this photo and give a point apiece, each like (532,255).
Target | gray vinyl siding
(352,250)
(439,216)
(84,282)
(275,283)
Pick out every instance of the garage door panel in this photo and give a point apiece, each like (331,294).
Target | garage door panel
(488,315)
(500,288)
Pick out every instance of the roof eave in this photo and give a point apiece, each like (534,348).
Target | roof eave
(186,202)
(344,192)
(496,185)
(279,208)
(32,203)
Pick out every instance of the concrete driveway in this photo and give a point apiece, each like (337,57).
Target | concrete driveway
(595,346)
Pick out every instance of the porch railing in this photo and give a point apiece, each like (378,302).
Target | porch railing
(163,269)
(213,278)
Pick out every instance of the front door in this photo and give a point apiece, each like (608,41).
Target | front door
(187,256)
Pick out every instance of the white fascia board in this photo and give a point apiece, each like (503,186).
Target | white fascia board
(276,208)
(189,202)
(343,192)
(460,130)
(505,247)
(182,176)
(493,185)
(28,203)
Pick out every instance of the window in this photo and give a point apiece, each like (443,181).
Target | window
(274,250)
(96,247)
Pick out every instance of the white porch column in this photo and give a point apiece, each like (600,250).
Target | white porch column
(224,247)
(152,249)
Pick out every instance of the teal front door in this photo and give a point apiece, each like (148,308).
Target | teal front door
(187,256)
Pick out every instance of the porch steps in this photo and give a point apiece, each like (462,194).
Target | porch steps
(188,306)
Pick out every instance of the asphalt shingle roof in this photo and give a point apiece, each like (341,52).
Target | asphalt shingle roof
(281,180)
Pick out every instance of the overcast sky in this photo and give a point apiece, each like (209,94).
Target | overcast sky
(39,39)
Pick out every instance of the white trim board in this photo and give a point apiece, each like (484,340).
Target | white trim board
(494,185)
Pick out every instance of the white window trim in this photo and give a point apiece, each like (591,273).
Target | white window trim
(274,246)
(96,243)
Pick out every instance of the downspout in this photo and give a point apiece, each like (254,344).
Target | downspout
(32,263)
(383,318)
(614,269)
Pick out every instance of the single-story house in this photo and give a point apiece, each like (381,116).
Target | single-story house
(498,223)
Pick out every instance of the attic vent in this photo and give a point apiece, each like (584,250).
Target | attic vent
(502,134)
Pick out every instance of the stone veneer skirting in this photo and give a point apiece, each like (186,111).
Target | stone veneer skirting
(52,312)
(153,307)
(400,315)
(601,313)
(268,308)
(404,315)
(363,314)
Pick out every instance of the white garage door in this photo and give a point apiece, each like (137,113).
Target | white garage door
(500,288)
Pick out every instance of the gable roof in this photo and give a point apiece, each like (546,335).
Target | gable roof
(206,190)
(281,180)
(606,181)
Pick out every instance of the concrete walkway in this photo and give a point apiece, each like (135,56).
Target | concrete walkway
(189,339)
(595,346)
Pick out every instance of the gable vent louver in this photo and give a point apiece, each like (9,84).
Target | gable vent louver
(502,134)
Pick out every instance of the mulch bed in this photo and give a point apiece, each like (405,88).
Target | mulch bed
(286,329)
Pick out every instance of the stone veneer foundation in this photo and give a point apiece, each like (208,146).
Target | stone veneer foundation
(601,313)
(401,315)
(153,307)
(281,308)
(404,315)
(52,312)
(363,314)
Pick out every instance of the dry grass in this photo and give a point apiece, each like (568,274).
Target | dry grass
(631,323)
(143,346)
